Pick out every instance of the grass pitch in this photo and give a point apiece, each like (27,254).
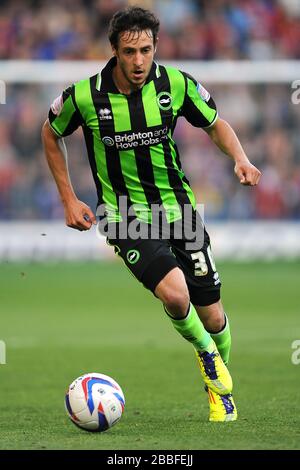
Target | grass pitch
(61,320)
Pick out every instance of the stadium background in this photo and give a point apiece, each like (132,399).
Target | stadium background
(48,307)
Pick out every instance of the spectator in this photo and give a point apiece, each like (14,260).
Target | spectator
(266,121)
(236,29)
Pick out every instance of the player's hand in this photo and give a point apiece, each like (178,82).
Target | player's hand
(79,216)
(247,173)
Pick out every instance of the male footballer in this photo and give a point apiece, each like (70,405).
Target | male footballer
(128,113)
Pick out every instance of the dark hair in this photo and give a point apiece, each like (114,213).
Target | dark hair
(132,19)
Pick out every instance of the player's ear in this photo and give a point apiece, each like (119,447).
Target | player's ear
(155,45)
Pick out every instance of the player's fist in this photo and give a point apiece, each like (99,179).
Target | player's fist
(79,216)
(247,173)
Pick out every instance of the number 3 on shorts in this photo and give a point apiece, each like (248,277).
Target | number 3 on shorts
(201,268)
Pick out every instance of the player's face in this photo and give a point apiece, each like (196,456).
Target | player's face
(135,57)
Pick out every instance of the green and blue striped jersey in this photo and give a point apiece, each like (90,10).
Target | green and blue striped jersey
(129,138)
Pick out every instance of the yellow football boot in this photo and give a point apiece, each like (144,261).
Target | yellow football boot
(221,407)
(214,372)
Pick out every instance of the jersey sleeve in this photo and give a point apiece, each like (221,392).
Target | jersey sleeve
(198,107)
(64,116)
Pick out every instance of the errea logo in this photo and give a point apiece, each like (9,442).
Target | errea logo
(164,100)
(104,114)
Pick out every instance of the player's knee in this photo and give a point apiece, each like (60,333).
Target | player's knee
(176,302)
(215,323)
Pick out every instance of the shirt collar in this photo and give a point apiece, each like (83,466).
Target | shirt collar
(107,84)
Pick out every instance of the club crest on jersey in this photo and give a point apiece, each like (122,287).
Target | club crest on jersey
(108,141)
(204,94)
(164,100)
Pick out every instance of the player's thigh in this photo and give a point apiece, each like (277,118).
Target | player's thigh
(172,290)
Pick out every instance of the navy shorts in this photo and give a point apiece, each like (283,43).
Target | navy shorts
(151,259)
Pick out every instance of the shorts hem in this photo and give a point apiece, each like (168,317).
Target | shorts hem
(205,297)
(157,270)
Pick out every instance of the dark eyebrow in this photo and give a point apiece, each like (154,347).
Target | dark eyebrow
(132,49)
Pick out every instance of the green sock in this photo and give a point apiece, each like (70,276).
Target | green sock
(223,341)
(192,329)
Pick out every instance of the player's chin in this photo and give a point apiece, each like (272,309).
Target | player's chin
(138,78)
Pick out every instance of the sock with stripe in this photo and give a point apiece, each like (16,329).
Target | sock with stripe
(223,341)
(191,328)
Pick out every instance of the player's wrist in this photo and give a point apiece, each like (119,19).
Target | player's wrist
(68,199)
(241,159)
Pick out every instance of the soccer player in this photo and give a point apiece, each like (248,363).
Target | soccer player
(128,113)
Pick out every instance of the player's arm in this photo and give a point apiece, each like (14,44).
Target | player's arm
(200,110)
(77,214)
(222,134)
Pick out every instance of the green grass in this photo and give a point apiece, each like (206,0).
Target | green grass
(62,320)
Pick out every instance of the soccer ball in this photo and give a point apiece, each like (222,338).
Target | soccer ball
(94,402)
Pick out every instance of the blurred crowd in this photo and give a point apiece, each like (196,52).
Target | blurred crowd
(263,116)
(190,29)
